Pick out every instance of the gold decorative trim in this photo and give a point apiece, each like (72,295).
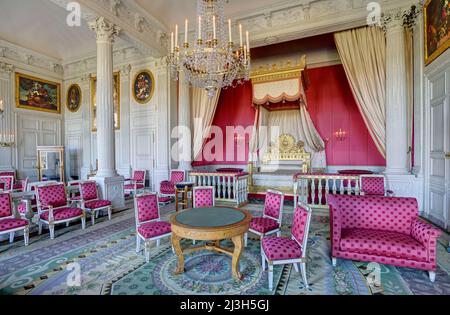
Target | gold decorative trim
(94,95)
(287,149)
(152,77)
(278,72)
(18,75)
(430,58)
(67,97)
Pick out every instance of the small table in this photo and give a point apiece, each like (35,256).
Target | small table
(183,188)
(211,224)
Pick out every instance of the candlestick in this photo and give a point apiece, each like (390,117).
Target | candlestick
(171,42)
(1,107)
(245,52)
(229,31)
(240,35)
(200,28)
(248,41)
(176,35)
(214,27)
(186,31)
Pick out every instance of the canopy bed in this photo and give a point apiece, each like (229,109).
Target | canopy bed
(286,141)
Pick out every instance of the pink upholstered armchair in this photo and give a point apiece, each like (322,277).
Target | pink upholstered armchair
(270,222)
(203,197)
(53,208)
(10,221)
(167,187)
(90,201)
(136,184)
(149,226)
(283,250)
(385,230)
(374,185)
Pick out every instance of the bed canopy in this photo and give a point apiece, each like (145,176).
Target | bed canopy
(280,100)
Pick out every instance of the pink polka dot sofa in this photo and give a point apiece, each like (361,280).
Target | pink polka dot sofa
(385,230)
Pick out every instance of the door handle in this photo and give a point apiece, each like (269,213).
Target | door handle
(447,155)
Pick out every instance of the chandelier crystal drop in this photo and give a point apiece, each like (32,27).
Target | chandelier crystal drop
(213,61)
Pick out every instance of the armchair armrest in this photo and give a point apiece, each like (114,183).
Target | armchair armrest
(335,228)
(424,233)
(166,182)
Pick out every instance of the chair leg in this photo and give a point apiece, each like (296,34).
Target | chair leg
(93,218)
(245,239)
(11,237)
(432,275)
(263,262)
(83,223)
(270,277)
(334,261)
(138,244)
(303,269)
(296,267)
(147,251)
(26,236)
(158,242)
(193,242)
(40,228)
(279,234)
(51,227)
(109,213)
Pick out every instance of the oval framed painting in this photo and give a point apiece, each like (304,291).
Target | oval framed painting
(73,100)
(143,86)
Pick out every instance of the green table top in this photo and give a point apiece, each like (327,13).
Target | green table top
(210,217)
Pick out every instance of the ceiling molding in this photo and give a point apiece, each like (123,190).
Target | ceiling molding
(292,20)
(137,26)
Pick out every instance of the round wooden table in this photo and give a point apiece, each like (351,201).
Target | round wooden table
(211,225)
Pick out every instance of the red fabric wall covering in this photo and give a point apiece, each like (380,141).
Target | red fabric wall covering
(331,106)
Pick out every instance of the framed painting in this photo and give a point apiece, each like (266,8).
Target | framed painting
(437,28)
(73,99)
(116,101)
(143,87)
(37,94)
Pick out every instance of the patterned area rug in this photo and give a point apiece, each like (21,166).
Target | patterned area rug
(105,256)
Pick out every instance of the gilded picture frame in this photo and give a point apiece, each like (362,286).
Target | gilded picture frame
(143,86)
(116,78)
(38,94)
(436,15)
(74,98)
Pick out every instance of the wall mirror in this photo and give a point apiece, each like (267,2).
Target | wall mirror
(50,163)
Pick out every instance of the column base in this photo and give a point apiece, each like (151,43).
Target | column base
(111,189)
(187,166)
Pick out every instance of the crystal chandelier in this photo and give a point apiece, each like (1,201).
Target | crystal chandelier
(212,62)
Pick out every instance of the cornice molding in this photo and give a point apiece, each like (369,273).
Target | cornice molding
(20,56)
(139,29)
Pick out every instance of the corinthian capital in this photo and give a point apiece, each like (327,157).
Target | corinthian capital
(105,30)
(400,17)
(6,68)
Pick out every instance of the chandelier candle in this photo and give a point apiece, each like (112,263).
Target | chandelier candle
(240,35)
(212,62)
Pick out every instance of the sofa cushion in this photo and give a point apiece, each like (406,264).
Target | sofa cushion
(382,243)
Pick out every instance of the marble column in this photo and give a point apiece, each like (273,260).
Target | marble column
(110,183)
(396,96)
(6,118)
(184,122)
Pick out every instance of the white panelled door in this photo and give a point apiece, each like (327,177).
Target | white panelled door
(143,151)
(33,132)
(439,149)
